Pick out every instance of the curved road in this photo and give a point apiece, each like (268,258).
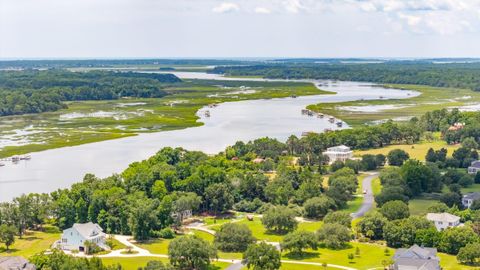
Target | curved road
(368,199)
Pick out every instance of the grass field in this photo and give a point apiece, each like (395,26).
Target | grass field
(371,256)
(419,207)
(157,246)
(135,262)
(432,98)
(92,121)
(416,151)
(30,244)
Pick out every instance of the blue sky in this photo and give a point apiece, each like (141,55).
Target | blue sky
(239,28)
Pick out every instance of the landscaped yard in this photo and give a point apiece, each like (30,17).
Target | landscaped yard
(135,262)
(261,233)
(371,256)
(419,207)
(30,244)
(156,246)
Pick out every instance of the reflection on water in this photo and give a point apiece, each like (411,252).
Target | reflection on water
(228,123)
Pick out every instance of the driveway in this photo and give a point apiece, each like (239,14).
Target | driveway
(368,199)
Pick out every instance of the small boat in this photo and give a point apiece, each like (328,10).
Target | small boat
(1,164)
(320,115)
(331,120)
(293,96)
(381,97)
(26,157)
(339,124)
(207,113)
(15,158)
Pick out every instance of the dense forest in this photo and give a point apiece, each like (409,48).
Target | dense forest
(465,75)
(36,91)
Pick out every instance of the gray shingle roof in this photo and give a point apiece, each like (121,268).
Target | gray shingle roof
(416,257)
(475,164)
(88,230)
(15,263)
(472,196)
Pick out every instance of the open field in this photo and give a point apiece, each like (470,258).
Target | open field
(93,121)
(357,113)
(30,244)
(416,151)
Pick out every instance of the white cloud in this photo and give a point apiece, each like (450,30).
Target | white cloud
(262,10)
(293,6)
(410,19)
(226,7)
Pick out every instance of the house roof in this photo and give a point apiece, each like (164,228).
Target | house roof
(88,230)
(475,164)
(472,196)
(416,257)
(342,148)
(444,217)
(15,263)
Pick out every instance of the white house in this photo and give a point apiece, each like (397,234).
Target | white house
(341,153)
(469,198)
(444,220)
(74,238)
(474,167)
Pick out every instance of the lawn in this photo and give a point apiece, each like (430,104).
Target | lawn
(156,246)
(116,244)
(30,244)
(419,207)
(472,188)
(371,256)
(261,233)
(135,262)
(416,151)
(449,262)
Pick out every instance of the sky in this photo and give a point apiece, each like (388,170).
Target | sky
(239,28)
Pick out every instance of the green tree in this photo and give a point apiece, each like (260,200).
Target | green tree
(279,219)
(7,235)
(395,210)
(262,256)
(372,225)
(339,217)
(297,241)
(142,218)
(219,197)
(318,207)
(233,237)
(334,235)
(191,252)
(397,157)
(469,254)
(159,189)
(452,239)
(280,190)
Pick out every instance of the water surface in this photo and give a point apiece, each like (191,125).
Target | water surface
(229,122)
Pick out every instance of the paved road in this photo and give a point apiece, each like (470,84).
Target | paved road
(368,199)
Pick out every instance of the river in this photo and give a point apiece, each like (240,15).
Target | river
(229,122)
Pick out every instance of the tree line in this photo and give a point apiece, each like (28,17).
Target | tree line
(458,75)
(34,91)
